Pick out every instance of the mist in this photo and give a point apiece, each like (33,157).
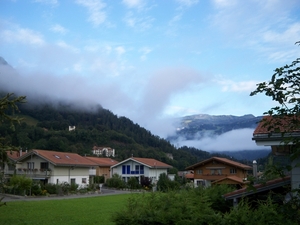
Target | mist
(235,140)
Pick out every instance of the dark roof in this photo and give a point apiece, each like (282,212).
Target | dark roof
(222,160)
(279,182)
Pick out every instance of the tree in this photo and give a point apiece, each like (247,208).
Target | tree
(8,105)
(284,88)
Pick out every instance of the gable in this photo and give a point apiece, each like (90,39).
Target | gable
(218,162)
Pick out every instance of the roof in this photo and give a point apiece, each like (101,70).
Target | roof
(279,182)
(233,178)
(102,161)
(222,160)
(152,163)
(14,155)
(60,158)
(271,124)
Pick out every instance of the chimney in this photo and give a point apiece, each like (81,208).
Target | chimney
(20,152)
(255,168)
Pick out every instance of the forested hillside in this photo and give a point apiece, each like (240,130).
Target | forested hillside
(45,126)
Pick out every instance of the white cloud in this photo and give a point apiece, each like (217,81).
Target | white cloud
(134,3)
(48,2)
(138,22)
(241,86)
(95,8)
(25,36)
(145,51)
(58,29)
(234,140)
(187,3)
(120,50)
(64,45)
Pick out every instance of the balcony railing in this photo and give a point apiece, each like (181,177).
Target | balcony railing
(31,172)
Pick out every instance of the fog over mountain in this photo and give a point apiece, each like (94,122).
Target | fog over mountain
(39,86)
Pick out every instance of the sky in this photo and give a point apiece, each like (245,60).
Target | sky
(149,60)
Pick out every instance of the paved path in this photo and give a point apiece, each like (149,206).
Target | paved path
(13,198)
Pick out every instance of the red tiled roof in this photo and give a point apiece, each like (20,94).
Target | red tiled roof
(223,160)
(152,162)
(259,187)
(283,124)
(102,161)
(61,158)
(14,155)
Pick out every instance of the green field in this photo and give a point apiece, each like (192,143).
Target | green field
(97,210)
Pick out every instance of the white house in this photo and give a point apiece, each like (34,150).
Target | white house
(56,167)
(138,167)
(103,151)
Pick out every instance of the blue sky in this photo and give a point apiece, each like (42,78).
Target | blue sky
(150,60)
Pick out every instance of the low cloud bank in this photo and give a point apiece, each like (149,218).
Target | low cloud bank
(234,140)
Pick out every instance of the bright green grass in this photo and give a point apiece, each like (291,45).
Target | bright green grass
(92,210)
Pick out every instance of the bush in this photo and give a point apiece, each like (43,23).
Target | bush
(133,183)
(21,184)
(115,182)
(50,188)
(36,188)
(170,208)
(164,184)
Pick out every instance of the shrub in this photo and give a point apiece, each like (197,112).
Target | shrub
(115,182)
(50,188)
(133,183)
(36,188)
(167,208)
(21,184)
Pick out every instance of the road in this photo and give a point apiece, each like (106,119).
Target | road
(104,192)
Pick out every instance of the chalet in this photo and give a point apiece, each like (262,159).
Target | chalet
(56,167)
(140,167)
(218,170)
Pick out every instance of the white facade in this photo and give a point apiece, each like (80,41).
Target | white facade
(39,169)
(131,168)
(108,152)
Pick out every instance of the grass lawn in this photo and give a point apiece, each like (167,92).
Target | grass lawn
(97,210)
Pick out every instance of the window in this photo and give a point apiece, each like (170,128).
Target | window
(199,172)
(44,165)
(233,171)
(216,172)
(73,180)
(128,169)
(123,169)
(83,180)
(141,169)
(30,165)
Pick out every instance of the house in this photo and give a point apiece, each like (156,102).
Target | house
(56,167)
(13,156)
(103,151)
(140,167)
(103,166)
(218,170)
(279,134)
(260,191)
